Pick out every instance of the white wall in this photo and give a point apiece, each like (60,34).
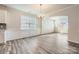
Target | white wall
(73,17)
(14,25)
(47,25)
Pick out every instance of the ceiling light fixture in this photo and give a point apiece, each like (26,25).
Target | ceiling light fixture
(41,15)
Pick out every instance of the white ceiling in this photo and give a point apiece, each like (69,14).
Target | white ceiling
(35,8)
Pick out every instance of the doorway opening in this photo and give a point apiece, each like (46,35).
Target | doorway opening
(56,24)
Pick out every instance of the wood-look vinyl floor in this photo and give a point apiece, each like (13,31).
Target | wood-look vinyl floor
(44,44)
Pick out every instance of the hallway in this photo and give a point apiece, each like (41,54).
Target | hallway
(43,44)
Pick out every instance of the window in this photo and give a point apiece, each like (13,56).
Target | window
(28,23)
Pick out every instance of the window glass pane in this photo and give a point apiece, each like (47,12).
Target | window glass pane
(28,22)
